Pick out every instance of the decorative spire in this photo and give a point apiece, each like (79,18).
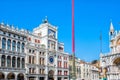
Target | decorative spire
(111,28)
(2,23)
(7,25)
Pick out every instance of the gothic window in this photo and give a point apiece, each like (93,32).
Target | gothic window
(40,53)
(38,41)
(43,61)
(18,46)
(33,60)
(23,63)
(18,62)
(3,61)
(29,50)
(40,61)
(40,71)
(9,44)
(13,46)
(43,71)
(29,59)
(13,62)
(3,43)
(8,61)
(23,46)
(33,70)
(30,70)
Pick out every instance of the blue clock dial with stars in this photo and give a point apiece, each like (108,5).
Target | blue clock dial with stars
(51,59)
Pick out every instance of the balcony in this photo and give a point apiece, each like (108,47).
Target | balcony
(11,52)
(12,69)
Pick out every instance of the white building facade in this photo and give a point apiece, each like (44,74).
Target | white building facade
(56,60)
(110,62)
(32,56)
(12,53)
(89,72)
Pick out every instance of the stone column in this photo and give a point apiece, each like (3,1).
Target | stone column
(16,76)
(5,76)
(1,42)
(46,77)
(6,43)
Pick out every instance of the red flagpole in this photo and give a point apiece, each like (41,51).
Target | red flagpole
(73,43)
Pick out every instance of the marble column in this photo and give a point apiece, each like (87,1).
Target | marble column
(11,61)
(6,43)
(20,62)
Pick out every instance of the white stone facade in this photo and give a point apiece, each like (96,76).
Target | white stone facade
(89,72)
(12,53)
(33,56)
(110,62)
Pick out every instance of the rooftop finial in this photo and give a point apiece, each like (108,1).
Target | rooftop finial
(46,20)
(7,25)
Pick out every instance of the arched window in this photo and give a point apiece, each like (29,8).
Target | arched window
(18,46)
(23,46)
(79,71)
(13,46)
(13,62)
(9,44)
(3,43)
(8,61)
(23,63)
(18,62)
(3,61)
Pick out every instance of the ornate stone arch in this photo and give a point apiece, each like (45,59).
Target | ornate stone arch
(116,40)
(114,59)
(50,75)
(11,75)
(2,76)
(20,76)
(117,43)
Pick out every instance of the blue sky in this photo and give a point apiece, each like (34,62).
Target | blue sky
(91,17)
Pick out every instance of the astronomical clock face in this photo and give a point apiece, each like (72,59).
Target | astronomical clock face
(51,59)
